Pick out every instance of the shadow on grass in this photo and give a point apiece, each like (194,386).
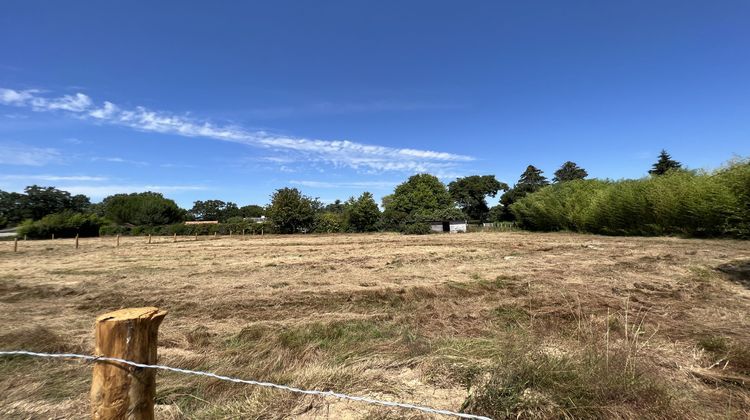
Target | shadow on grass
(737,271)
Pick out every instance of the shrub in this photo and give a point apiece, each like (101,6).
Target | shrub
(62,225)
(112,230)
(679,202)
(328,223)
(416,229)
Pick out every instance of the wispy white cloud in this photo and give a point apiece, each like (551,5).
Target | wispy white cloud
(52,178)
(353,185)
(342,153)
(119,160)
(15,116)
(175,165)
(19,154)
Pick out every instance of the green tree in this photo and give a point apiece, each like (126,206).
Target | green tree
(569,171)
(337,207)
(531,180)
(214,210)
(291,211)
(362,214)
(328,222)
(664,164)
(496,213)
(421,194)
(470,193)
(38,202)
(147,208)
(10,208)
(252,210)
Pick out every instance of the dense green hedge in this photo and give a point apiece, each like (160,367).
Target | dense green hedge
(417,228)
(183,229)
(681,202)
(62,225)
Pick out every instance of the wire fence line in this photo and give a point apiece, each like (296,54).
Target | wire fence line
(246,381)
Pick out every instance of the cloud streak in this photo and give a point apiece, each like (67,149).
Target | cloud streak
(352,185)
(339,153)
(13,154)
(52,178)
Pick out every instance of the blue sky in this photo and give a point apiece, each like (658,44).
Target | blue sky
(232,100)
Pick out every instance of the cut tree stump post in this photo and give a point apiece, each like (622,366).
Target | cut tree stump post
(76,241)
(120,391)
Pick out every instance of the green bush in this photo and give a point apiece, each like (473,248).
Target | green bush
(112,230)
(416,229)
(235,227)
(328,223)
(678,203)
(62,225)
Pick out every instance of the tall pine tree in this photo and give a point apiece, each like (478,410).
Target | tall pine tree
(569,171)
(531,180)
(664,164)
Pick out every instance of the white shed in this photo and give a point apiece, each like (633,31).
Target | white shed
(451,226)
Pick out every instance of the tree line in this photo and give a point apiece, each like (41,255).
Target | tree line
(703,205)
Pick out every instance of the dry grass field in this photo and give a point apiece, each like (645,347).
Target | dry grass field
(500,324)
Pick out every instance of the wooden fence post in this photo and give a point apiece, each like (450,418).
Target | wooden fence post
(24,237)
(76,241)
(243,232)
(120,391)
(149,238)
(214,235)
(196,236)
(53,236)
(118,240)
(174,237)
(15,244)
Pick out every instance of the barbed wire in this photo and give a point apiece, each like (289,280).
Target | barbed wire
(246,381)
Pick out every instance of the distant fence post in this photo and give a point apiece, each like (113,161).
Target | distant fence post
(214,235)
(121,391)
(149,238)
(174,237)
(196,236)
(15,244)
(243,232)
(118,240)
(24,237)
(53,236)
(76,241)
